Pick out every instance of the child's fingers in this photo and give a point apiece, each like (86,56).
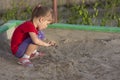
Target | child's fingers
(52,43)
(49,42)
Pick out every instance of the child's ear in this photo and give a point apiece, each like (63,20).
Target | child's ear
(41,19)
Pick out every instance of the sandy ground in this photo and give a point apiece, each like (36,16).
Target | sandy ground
(80,55)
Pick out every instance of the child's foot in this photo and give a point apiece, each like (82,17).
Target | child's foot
(25,62)
(36,55)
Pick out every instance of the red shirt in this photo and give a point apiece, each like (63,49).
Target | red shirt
(20,34)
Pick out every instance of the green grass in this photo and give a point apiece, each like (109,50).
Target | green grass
(79,13)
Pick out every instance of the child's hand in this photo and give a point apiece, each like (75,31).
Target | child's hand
(47,44)
(52,43)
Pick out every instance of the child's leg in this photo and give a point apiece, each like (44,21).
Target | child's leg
(25,59)
(30,49)
(23,47)
(24,52)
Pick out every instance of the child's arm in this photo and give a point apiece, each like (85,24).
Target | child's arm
(37,41)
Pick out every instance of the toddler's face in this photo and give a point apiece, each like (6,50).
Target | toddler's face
(44,22)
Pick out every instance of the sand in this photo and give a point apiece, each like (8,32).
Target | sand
(79,55)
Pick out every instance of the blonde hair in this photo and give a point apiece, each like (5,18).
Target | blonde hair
(42,11)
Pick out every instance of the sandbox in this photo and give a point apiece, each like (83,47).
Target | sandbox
(79,55)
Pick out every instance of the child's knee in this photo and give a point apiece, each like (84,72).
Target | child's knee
(34,45)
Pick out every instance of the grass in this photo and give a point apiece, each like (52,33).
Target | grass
(102,12)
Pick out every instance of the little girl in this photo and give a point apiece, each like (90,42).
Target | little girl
(28,36)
